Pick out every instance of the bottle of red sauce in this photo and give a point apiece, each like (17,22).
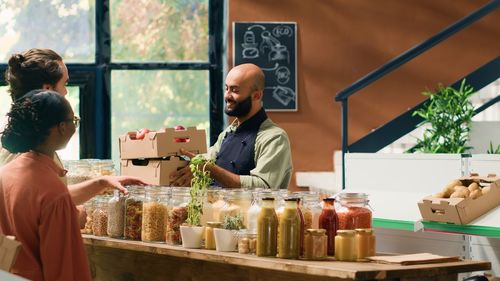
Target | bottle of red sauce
(329,221)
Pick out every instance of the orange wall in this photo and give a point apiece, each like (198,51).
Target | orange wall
(339,41)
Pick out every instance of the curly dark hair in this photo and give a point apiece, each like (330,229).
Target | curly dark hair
(30,119)
(31,69)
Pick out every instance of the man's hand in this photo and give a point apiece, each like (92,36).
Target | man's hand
(183,176)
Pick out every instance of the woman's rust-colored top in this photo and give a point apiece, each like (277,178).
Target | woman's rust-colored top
(36,208)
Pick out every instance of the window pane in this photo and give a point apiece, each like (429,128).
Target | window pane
(5,102)
(157,99)
(66,26)
(72,150)
(159,30)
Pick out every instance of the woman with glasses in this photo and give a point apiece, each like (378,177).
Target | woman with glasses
(45,69)
(35,205)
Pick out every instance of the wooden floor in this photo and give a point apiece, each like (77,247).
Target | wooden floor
(113,259)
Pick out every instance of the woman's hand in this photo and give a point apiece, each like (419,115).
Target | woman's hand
(119,182)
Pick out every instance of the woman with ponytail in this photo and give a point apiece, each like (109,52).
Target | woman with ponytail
(45,69)
(35,205)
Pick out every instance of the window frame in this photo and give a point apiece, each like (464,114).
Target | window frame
(94,80)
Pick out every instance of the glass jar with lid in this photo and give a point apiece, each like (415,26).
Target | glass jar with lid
(100,216)
(364,239)
(229,208)
(243,199)
(315,244)
(289,231)
(207,214)
(155,213)
(209,234)
(78,171)
(246,242)
(311,210)
(345,247)
(89,209)
(280,201)
(353,211)
(103,167)
(133,213)
(254,210)
(177,215)
(328,220)
(267,227)
(116,213)
(218,203)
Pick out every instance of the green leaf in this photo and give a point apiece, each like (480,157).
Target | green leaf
(449,112)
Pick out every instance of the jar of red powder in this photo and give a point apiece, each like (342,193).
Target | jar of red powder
(353,211)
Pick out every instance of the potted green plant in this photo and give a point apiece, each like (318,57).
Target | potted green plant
(492,149)
(192,231)
(449,114)
(226,239)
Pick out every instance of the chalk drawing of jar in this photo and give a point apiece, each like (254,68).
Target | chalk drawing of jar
(279,52)
(250,50)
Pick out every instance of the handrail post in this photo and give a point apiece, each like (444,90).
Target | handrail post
(344,138)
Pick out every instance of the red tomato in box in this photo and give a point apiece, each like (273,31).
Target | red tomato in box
(142,133)
(180,128)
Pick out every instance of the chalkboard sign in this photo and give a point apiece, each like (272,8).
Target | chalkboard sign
(272,46)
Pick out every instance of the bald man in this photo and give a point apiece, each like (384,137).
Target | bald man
(252,152)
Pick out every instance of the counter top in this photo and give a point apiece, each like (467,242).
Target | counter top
(330,268)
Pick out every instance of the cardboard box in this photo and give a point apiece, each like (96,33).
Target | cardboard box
(162,144)
(462,210)
(152,171)
(9,249)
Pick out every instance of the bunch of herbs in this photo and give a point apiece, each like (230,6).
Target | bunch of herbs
(199,184)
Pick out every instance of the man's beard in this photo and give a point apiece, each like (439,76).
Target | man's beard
(240,108)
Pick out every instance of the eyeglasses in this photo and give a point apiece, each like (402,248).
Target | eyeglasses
(75,120)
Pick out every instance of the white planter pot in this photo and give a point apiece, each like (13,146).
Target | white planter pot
(225,240)
(192,236)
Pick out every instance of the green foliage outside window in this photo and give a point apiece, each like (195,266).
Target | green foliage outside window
(159,30)
(68,27)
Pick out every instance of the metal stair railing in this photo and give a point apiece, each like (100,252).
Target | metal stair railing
(400,60)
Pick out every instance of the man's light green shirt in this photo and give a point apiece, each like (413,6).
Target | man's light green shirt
(273,159)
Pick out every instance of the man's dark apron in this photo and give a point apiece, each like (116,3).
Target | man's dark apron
(237,152)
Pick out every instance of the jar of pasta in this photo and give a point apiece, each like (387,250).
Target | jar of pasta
(177,215)
(100,217)
(133,213)
(155,214)
(116,213)
(104,167)
(89,209)
(353,211)
(209,234)
(311,210)
(78,171)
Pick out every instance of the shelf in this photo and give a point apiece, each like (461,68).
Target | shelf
(143,261)
(487,231)
(394,224)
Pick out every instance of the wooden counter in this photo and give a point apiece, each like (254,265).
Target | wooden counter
(114,259)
